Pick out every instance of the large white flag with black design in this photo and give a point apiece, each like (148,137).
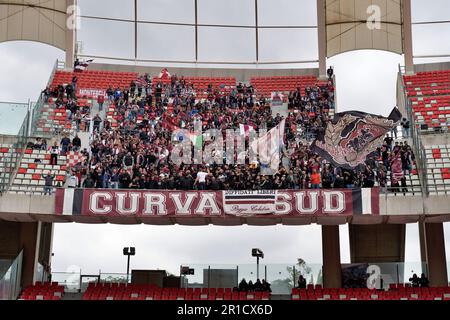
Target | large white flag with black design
(269,146)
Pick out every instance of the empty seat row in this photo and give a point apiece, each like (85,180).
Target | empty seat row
(43,291)
(148,292)
(438,169)
(393,293)
(429,94)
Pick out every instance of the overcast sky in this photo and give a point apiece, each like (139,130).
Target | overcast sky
(366,81)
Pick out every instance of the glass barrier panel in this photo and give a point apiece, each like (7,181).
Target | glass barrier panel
(86,280)
(280,277)
(15,113)
(10,280)
(114,277)
(380,275)
(70,280)
(39,273)
(197,279)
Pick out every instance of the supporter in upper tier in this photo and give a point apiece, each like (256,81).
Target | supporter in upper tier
(54,152)
(76,143)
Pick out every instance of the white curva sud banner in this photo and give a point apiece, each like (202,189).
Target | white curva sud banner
(223,204)
(249,203)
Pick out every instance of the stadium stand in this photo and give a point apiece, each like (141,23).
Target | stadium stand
(266,85)
(438,169)
(34,166)
(203,86)
(429,94)
(94,79)
(140,122)
(61,111)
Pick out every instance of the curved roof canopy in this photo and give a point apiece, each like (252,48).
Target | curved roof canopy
(34,20)
(363,24)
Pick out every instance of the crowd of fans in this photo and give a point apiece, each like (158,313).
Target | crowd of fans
(136,152)
(421,282)
(249,286)
(65,97)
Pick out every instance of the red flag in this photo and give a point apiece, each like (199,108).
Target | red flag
(164,74)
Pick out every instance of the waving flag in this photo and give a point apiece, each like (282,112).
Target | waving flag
(245,129)
(268,147)
(396,169)
(82,65)
(73,158)
(141,82)
(353,137)
(276,99)
(164,74)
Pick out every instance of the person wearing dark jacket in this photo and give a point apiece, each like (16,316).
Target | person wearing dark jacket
(258,285)
(301,282)
(48,187)
(330,73)
(415,280)
(88,182)
(76,143)
(424,281)
(243,286)
(214,184)
(185,181)
(338,182)
(124,180)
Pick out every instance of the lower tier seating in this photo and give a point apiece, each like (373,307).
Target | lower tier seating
(43,291)
(394,293)
(116,291)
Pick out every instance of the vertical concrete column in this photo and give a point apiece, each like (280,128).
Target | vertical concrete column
(322,37)
(423,250)
(70,37)
(432,239)
(29,243)
(407,36)
(331,254)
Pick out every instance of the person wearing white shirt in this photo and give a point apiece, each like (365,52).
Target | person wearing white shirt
(201,179)
(72,181)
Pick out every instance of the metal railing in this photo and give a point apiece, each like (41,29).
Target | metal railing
(281,277)
(39,105)
(419,150)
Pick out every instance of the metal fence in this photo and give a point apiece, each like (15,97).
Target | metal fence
(419,150)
